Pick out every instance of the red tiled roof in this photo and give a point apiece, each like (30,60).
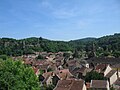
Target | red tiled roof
(98,84)
(72,62)
(63,74)
(69,85)
(101,67)
(77,85)
(47,74)
(39,62)
(28,60)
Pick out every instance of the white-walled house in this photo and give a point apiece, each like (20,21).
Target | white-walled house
(103,69)
(107,70)
(112,76)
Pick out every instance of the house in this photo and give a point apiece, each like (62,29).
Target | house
(50,56)
(50,78)
(103,69)
(116,66)
(80,72)
(60,67)
(72,64)
(44,54)
(106,60)
(38,62)
(59,54)
(99,85)
(41,64)
(63,74)
(47,78)
(32,56)
(84,63)
(54,77)
(112,76)
(28,61)
(70,85)
(59,61)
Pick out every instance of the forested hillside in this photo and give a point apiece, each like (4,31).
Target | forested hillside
(104,46)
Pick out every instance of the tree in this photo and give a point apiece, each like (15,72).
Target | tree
(76,54)
(112,88)
(40,57)
(15,76)
(93,76)
(67,55)
(106,53)
(116,54)
(49,69)
(49,87)
(3,57)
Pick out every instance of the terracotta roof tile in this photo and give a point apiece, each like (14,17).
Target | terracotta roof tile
(102,67)
(69,85)
(98,84)
(47,74)
(77,85)
(63,74)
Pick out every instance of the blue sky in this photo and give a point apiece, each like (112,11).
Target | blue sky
(59,19)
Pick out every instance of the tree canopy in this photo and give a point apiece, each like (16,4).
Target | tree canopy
(104,46)
(15,76)
(93,76)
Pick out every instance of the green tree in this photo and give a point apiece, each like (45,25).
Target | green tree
(40,57)
(116,54)
(67,55)
(3,57)
(76,54)
(106,53)
(93,76)
(15,76)
(49,87)
(112,88)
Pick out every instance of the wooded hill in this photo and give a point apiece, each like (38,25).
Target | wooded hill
(104,46)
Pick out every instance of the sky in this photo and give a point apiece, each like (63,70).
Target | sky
(59,19)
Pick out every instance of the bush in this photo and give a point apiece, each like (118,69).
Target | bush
(15,76)
(93,76)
